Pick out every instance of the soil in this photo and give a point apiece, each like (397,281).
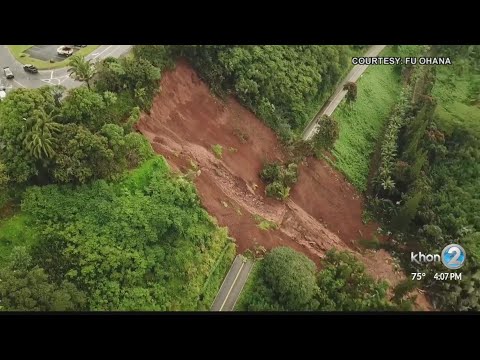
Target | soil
(324,211)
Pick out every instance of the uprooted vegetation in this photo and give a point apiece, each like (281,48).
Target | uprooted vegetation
(279,178)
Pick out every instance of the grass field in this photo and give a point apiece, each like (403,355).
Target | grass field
(19,52)
(361,122)
(456,95)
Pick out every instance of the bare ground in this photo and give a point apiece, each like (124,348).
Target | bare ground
(324,211)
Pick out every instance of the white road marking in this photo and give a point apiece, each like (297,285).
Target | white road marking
(111,52)
(55,81)
(231,287)
(119,49)
(15,81)
(100,53)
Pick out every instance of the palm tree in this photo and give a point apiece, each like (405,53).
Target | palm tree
(40,133)
(81,69)
(57,92)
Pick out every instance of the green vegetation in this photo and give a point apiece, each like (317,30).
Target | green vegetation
(92,234)
(326,135)
(136,78)
(217,150)
(283,85)
(288,281)
(26,287)
(279,178)
(81,69)
(457,93)
(46,141)
(426,182)
(265,224)
(15,232)
(19,52)
(361,122)
(214,281)
(128,245)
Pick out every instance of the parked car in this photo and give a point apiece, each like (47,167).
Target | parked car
(3,92)
(8,73)
(30,68)
(82,46)
(65,50)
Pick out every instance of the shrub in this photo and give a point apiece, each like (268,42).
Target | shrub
(279,179)
(327,133)
(290,175)
(271,172)
(277,190)
(217,150)
(351,88)
(344,285)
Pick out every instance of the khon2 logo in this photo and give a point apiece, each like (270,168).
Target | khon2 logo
(453,257)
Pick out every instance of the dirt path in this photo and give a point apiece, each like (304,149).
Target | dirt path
(323,212)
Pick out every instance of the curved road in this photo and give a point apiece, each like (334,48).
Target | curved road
(50,77)
(339,93)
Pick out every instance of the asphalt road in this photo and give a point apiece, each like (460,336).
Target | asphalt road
(339,93)
(50,77)
(233,284)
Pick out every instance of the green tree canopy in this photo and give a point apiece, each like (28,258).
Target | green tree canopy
(291,276)
(344,285)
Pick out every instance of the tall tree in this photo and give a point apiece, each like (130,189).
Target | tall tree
(82,69)
(40,132)
(20,107)
(291,276)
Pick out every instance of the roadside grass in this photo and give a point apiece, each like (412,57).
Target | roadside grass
(317,104)
(456,95)
(215,280)
(15,232)
(361,122)
(18,51)
(265,224)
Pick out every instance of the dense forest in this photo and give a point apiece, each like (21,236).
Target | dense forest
(283,85)
(90,233)
(426,184)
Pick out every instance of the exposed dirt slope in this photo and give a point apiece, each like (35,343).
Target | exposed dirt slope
(324,210)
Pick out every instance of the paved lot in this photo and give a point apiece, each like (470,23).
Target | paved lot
(50,77)
(46,52)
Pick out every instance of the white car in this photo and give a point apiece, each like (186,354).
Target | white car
(8,73)
(3,94)
(65,50)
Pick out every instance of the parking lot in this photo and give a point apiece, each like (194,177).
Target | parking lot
(47,52)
